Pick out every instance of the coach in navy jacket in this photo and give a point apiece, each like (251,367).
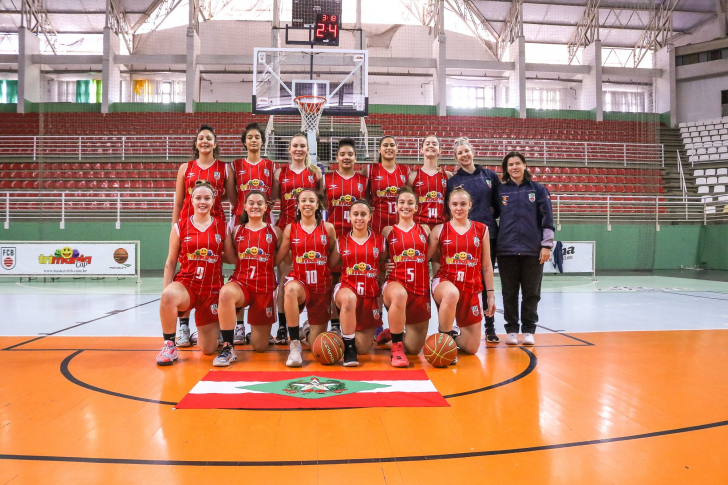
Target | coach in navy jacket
(525,239)
(482,185)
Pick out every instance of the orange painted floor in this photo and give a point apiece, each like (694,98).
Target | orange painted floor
(592,408)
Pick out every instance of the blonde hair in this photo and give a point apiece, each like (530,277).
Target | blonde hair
(307,160)
(204,184)
(462,141)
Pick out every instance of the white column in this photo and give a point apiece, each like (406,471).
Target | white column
(28,73)
(441,78)
(665,85)
(276,23)
(517,77)
(110,72)
(192,89)
(591,93)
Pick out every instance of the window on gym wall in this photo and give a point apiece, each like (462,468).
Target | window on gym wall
(625,101)
(473,97)
(8,91)
(543,98)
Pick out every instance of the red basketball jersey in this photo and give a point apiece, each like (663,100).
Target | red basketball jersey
(383,187)
(408,252)
(256,252)
(291,184)
(460,256)
(216,174)
(252,176)
(200,256)
(430,192)
(360,263)
(341,193)
(310,255)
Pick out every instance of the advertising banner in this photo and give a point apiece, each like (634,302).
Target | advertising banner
(578,257)
(66,258)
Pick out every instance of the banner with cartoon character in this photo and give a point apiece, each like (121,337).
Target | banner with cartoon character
(67,258)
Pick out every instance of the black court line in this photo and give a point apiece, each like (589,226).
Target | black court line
(698,296)
(561,332)
(79,324)
(532,363)
(67,374)
(355,461)
(65,371)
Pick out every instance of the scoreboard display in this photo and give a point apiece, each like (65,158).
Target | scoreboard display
(305,12)
(326,29)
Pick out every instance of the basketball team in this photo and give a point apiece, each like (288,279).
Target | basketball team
(346,243)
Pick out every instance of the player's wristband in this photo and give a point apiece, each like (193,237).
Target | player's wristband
(490,290)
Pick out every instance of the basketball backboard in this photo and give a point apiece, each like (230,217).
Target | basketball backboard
(282,74)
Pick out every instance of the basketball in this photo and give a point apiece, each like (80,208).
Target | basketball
(120,255)
(328,348)
(440,349)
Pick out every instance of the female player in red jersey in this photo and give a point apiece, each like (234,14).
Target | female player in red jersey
(288,182)
(407,289)
(206,166)
(253,284)
(429,183)
(197,242)
(385,179)
(252,172)
(343,187)
(464,248)
(312,245)
(362,251)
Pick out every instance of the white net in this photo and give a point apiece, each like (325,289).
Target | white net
(311,108)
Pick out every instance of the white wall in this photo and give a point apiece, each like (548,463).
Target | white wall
(699,99)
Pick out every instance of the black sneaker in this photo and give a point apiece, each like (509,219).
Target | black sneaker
(351,359)
(282,336)
(490,336)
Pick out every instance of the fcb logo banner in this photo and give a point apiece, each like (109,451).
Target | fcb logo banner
(313,390)
(69,258)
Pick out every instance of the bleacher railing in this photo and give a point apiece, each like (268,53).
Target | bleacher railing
(180,146)
(157,206)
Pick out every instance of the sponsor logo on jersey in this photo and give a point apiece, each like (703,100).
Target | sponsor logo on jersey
(409,255)
(242,171)
(295,241)
(476,310)
(203,254)
(324,239)
(293,193)
(532,197)
(445,242)
(187,239)
(379,177)
(360,187)
(462,258)
(388,192)
(269,238)
(431,196)
(333,186)
(419,184)
(8,257)
(310,179)
(216,175)
(284,181)
(254,184)
(213,308)
(394,240)
(375,252)
(269,312)
(343,200)
(422,238)
(267,172)
(346,253)
(64,255)
(312,257)
(254,253)
(476,241)
(375,311)
(362,269)
(218,238)
(444,182)
(402,178)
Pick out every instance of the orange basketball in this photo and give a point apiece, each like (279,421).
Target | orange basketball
(328,348)
(120,255)
(440,349)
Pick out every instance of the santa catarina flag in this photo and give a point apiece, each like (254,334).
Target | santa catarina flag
(313,390)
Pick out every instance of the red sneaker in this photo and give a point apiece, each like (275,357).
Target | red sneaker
(383,337)
(399,359)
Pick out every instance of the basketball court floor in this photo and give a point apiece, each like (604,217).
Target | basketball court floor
(628,383)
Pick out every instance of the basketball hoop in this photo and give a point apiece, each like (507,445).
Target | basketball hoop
(311,109)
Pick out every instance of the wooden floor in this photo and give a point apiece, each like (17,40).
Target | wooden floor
(592,408)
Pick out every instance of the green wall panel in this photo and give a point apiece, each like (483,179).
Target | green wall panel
(31,107)
(403,109)
(714,247)
(146,108)
(8,107)
(223,107)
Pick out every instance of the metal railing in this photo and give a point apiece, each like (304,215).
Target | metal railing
(157,206)
(180,146)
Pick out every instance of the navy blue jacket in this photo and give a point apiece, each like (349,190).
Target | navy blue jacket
(526,219)
(482,185)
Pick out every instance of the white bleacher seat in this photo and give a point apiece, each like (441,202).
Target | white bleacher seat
(724,137)
(690,151)
(723,179)
(722,149)
(704,158)
(722,171)
(722,198)
(712,150)
(702,151)
(701,181)
(719,189)
(706,198)
(687,141)
(704,189)
(714,157)
(711,180)
(705,138)
(693,159)
(698,173)
(715,137)
(704,133)
(710,209)
(709,172)
(712,132)
(723,131)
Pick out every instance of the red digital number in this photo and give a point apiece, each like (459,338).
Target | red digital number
(324,18)
(333,18)
(333,28)
(320,29)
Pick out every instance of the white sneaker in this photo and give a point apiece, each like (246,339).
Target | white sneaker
(183,338)
(239,336)
(305,330)
(528,339)
(225,356)
(512,339)
(294,354)
(220,341)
